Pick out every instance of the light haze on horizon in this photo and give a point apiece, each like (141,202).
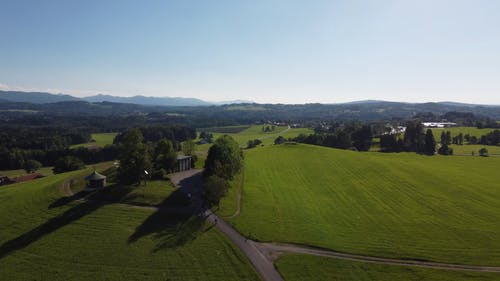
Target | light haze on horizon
(265,51)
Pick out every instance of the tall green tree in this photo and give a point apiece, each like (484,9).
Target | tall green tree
(165,156)
(214,189)
(362,138)
(224,159)
(134,158)
(430,143)
(188,147)
(31,166)
(67,163)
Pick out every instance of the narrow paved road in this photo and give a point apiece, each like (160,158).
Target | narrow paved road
(262,264)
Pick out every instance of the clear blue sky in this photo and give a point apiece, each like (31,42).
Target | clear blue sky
(266,51)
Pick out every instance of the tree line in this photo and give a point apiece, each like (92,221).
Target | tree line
(356,137)
(415,139)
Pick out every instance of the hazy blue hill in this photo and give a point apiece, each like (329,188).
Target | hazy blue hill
(34,97)
(142,100)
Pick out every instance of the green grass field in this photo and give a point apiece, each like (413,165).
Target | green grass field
(251,133)
(302,267)
(468,149)
(47,237)
(46,171)
(392,205)
(101,140)
(473,131)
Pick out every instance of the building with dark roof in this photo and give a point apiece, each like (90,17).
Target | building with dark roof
(95,181)
(183,163)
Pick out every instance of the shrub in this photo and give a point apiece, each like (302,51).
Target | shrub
(67,163)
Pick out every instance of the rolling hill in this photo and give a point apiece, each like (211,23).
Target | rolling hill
(391,205)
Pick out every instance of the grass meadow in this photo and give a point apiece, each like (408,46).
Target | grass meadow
(47,237)
(472,131)
(403,205)
(101,140)
(311,268)
(243,135)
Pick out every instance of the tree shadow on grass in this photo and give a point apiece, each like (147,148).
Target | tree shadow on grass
(170,230)
(174,229)
(173,224)
(67,217)
(67,199)
(48,227)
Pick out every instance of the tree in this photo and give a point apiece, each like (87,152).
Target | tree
(483,152)
(214,189)
(224,158)
(445,138)
(279,140)
(253,143)
(430,143)
(188,147)
(134,158)
(165,156)
(32,166)
(362,138)
(67,163)
(445,150)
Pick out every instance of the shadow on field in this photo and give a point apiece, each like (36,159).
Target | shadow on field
(48,227)
(73,214)
(67,199)
(172,228)
(174,223)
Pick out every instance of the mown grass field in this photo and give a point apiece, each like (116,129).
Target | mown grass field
(302,267)
(472,131)
(101,140)
(250,133)
(474,148)
(44,237)
(403,205)
(46,171)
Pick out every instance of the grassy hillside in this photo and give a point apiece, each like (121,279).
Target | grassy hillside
(251,133)
(101,140)
(393,205)
(45,237)
(301,267)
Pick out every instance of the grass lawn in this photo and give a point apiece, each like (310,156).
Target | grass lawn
(473,131)
(302,267)
(44,239)
(404,205)
(229,204)
(46,171)
(468,149)
(251,133)
(101,139)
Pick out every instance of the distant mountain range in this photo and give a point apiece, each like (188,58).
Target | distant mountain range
(18,103)
(42,98)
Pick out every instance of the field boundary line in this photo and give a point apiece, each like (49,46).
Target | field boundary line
(238,196)
(274,250)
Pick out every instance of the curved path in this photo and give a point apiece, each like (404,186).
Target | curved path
(274,250)
(263,255)
(238,196)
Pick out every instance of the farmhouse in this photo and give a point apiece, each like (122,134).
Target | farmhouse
(183,163)
(95,180)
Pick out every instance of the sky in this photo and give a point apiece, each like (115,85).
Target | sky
(269,51)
